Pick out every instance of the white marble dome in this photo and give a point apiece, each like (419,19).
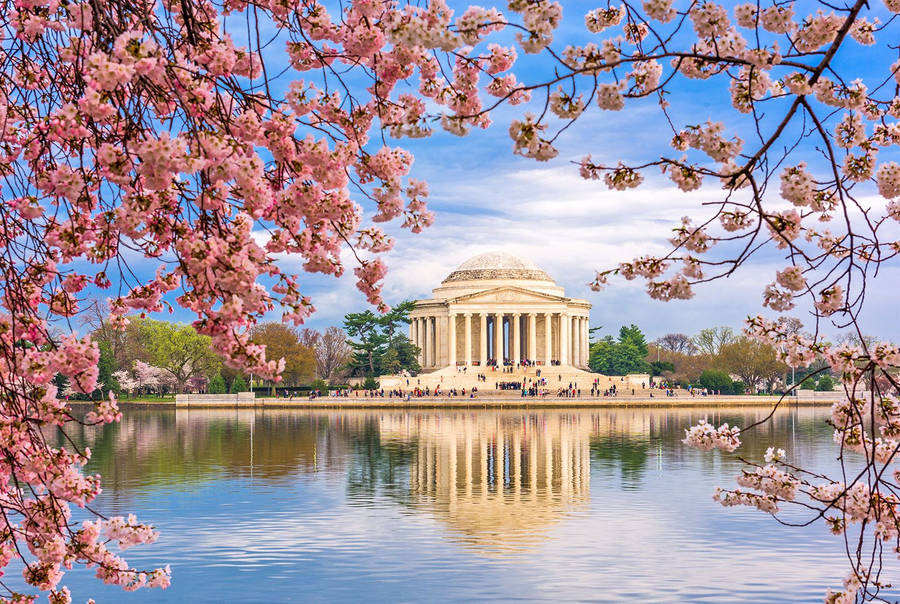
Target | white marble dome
(497,265)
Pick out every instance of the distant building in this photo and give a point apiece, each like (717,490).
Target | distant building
(496,308)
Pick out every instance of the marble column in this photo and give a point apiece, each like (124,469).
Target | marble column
(587,341)
(583,340)
(468,339)
(532,337)
(414,337)
(564,338)
(483,339)
(420,334)
(576,337)
(576,343)
(451,340)
(498,338)
(517,338)
(576,333)
(548,338)
(441,325)
(584,359)
(429,342)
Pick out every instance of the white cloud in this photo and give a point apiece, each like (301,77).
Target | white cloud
(570,227)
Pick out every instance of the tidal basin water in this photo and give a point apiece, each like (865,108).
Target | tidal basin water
(425,505)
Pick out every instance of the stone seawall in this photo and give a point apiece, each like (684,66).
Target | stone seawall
(500,401)
(241,399)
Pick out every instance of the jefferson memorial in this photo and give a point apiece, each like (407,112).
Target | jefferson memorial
(499,309)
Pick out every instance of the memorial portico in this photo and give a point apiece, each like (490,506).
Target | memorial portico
(496,308)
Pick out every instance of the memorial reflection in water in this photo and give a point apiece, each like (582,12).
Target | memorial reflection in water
(500,481)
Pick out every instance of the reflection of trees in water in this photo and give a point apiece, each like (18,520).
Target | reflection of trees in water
(377,452)
(631,441)
(168,448)
(376,465)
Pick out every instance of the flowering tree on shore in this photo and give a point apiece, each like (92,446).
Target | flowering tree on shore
(143,129)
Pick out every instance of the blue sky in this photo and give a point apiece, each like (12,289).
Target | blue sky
(487,199)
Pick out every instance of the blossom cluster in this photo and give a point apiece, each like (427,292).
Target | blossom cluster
(705,436)
(150,132)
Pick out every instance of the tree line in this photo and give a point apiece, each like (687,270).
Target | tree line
(717,358)
(160,357)
(164,357)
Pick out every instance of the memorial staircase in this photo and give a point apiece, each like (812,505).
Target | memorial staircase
(556,377)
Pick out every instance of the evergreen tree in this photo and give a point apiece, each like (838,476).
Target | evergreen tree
(602,355)
(393,321)
(632,335)
(238,384)
(368,342)
(378,342)
(390,363)
(407,354)
(623,356)
(217,385)
(660,367)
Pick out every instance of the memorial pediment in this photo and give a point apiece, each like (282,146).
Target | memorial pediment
(506,295)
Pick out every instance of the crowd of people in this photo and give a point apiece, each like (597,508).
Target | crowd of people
(527,386)
(415,392)
(508,365)
(507,385)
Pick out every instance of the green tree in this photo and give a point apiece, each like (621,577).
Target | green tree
(714,379)
(398,345)
(368,342)
(825,383)
(407,354)
(370,383)
(107,366)
(178,349)
(660,367)
(393,321)
(602,355)
(809,384)
(378,343)
(623,356)
(389,363)
(632,335)
(238,384)
(217,385)
(631,358)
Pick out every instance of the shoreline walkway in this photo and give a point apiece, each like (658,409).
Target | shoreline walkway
(491,401)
